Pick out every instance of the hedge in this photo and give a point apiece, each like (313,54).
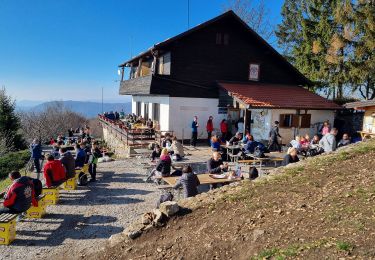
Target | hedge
(13,161)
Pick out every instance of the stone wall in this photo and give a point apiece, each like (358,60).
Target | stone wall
(118,146)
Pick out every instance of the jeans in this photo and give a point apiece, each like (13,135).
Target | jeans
(37,164)
(209,135)
(274,143)
(92,171)
(7,210)
(193,141)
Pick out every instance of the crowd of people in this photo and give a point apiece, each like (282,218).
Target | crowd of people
(60,166)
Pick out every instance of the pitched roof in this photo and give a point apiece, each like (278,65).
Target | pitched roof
(263,95)
(229,13)
(360,104)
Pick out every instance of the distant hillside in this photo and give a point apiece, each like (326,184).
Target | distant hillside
(87,109)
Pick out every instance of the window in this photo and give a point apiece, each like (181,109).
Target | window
(226,39)
(138,106)
(218,38)
(165,64)
(145,112)
(156,112)
(290,120)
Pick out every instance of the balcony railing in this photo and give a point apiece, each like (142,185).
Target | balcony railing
(140,85)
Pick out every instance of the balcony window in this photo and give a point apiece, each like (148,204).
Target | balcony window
(165,64)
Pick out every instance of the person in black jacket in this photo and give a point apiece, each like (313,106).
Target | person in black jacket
(273,135)
(188,181)
(68,161)
(236,139)
(291,157)
(215,165)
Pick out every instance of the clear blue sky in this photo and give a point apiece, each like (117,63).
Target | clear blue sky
(69,49)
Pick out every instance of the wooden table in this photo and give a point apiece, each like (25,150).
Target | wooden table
(203,179)
(364,134)
(231,148)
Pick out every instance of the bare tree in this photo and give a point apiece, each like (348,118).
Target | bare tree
(6,143)
(53,120)
(256,15)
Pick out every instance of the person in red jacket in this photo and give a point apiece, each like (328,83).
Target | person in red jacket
(224,130)
(54,172)
(20,195)
(209,128)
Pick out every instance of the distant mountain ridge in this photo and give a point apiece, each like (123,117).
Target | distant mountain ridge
(86,108)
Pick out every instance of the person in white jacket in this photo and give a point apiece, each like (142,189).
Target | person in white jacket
(328,142)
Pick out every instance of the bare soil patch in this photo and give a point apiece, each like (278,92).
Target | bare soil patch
(322,208)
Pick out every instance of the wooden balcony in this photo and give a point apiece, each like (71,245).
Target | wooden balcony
(136,86)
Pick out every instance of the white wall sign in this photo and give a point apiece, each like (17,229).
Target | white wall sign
(254,72)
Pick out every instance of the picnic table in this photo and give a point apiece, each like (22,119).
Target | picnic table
(203,179)
(365,134)
(230,150)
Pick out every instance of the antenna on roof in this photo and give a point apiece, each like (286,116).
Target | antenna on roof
(188,14)
(131,46)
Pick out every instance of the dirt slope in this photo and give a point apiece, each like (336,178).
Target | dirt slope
(322,208)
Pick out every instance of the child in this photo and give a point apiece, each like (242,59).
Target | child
(96,154)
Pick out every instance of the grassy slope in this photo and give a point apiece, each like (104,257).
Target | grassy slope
(321,207)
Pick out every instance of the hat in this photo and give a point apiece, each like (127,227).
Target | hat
(276,122)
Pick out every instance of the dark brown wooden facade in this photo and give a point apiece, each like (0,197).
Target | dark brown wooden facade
(218,50)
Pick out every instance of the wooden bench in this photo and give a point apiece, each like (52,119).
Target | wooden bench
(40,210)
(7,228)
(248,161)
(52,195)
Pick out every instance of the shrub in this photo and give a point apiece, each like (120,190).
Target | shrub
(13,161)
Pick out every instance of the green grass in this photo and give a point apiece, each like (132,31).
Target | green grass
(344,246)
(13,161)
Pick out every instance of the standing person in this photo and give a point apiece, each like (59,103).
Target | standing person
(70,132)
(188,181)
(241,125)
(36,154)
(194,130)
(273,135)
(20,195)
(209,128)
(326,128)
(328,142)
(96,154)
(224,130)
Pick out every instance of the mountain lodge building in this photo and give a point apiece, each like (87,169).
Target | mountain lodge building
(220,68)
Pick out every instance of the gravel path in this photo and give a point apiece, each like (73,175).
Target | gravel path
(87,217)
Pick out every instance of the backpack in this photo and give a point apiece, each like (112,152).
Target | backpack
(168,196)
(82,179)
(253,173)
(38,186)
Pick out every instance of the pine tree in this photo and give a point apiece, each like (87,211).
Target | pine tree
(9,123)
(362,66)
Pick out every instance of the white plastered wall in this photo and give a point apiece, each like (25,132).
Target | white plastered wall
(263,120)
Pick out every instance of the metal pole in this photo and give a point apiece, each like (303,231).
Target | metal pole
(102,101)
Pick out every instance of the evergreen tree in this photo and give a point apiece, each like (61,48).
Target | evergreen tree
(9,123)
(331,42)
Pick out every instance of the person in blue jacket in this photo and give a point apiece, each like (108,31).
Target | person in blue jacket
(36,154)
(194,130)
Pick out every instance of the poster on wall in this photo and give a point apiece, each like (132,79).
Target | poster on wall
(254,71)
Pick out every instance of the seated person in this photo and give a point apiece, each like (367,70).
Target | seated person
(235,139)
(20,195)
(177,149)
(247,137)
(291,156)
(344,141)
(215,143)
(296,143)
(315,140)
(54,172)
(68,162)
(80,157)
(189,182)
(167,142)
(163,168)
(150,124)
(215,165)
(156,152)
(305,144)
(251,145)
